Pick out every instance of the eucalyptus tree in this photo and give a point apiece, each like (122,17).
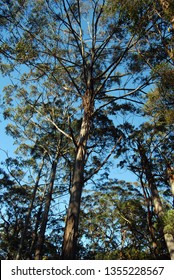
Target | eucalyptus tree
(149,153)
(155,49)
(152,154)
(113,214)
(88,58)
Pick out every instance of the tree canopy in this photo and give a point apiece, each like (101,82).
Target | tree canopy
(90,91)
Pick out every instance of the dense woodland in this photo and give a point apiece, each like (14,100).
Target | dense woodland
(91,92)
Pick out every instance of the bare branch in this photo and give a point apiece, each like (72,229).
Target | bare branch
(112,99)
(52,122)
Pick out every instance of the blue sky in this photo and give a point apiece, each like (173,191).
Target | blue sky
(6,142)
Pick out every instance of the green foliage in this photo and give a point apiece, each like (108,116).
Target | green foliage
(169,222)
(62,51)
(111,219)
(160,107)
(24,51)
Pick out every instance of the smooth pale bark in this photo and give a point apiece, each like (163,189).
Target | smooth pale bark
(170,173)
(69,248)
(170,244)
(156,198)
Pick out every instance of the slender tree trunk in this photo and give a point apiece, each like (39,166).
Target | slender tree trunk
(69,247)
(156,198)
(170,173)
(27,219)
(154,247)
(38,220)
(41,235)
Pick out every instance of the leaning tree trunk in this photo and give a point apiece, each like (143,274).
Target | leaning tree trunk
(169,240)
(41,235)
(69,247)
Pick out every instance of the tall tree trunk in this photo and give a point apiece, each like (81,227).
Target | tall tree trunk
(156,198)
(27,219)
(41,235)
(69,247)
